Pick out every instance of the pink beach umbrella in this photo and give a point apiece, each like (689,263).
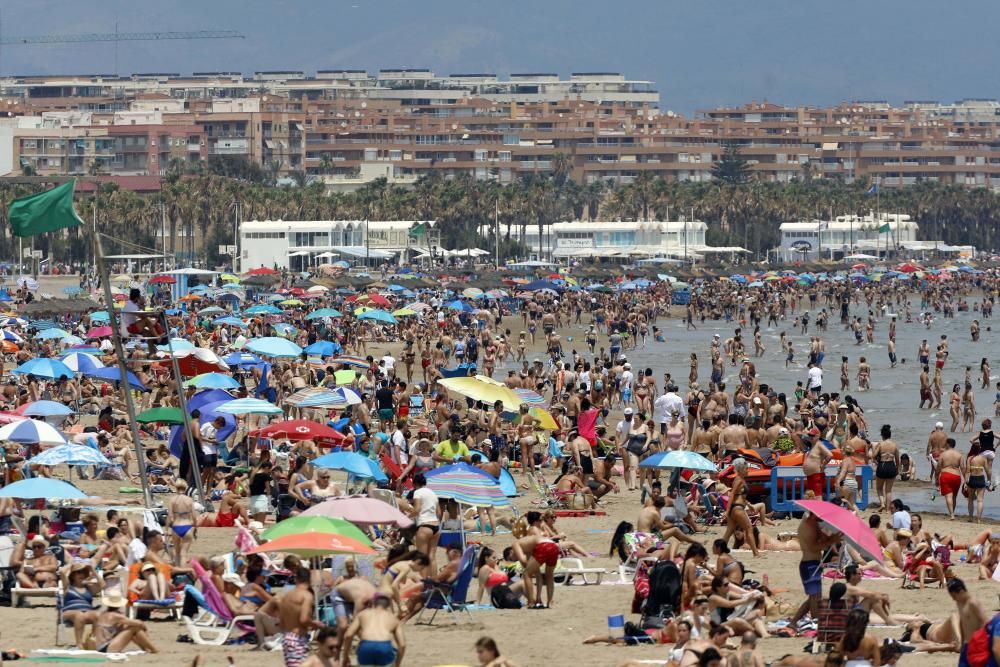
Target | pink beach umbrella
(360,510)
(99,332)
(840,519)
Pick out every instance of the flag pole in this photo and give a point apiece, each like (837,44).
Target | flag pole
(116,341)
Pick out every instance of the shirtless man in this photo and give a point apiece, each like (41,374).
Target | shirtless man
(951,475)
(378,628)
(971,615)
(936,444)
(746,655)
(649,521)
(295,614)
(925,388)
(814,466)
(813,541)
(350,594)
(734,436)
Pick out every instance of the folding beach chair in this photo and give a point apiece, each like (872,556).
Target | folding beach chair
(452,597)
(215,624)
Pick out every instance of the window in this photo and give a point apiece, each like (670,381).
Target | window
(29,143)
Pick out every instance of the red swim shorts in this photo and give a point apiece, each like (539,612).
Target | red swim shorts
(949,483)
(816,483)
(546,553)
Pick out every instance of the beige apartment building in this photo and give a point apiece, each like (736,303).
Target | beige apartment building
(348,127)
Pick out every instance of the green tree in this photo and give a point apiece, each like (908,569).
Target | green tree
(731,168)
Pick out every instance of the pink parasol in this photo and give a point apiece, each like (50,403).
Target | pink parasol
(99,332)
(840,519)
(360,510)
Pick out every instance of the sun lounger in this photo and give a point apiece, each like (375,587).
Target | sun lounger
(567,568)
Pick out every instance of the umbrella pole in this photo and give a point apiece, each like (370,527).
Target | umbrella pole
(182,400)
(116,340)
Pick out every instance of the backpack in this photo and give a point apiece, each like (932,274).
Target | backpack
(664,599)
(502,597)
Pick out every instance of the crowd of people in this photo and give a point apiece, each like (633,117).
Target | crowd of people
(564,446)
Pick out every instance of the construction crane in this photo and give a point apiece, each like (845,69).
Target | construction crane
(121,37)
(117,37)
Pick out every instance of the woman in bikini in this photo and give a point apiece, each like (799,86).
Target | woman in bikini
(975,476)
(182,520)
(968,408)
(885,454)
(955,406)
(527,439)
(736,512)
(847,480)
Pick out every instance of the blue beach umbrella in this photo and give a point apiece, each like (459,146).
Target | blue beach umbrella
(71,454)
(212,381)
(51,334)
(324,312)
(111,374)
(323,348)
(82,362)
(44,368)
(47,409)
(356,464)
(247,406)
(41,487)
(272,346)
(678,459)
(242,359)
(378,316)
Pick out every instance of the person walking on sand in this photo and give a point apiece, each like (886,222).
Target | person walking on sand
(381,634)
(295,612)
(950,475)
(813,541)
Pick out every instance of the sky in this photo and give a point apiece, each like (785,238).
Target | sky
(700,53)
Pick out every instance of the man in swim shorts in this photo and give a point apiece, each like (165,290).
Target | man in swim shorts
(293,606)
(813,542)
(950,475)
(381,633)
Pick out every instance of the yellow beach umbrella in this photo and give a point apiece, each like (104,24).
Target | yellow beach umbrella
(546,421)
(487,392)
(403,312)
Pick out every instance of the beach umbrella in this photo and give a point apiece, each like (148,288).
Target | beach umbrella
(230,321)
(50,334)
(291,302)
(467,487)
(324,312)
(46,409)
(111,374)
(72,290)
(162,280)
(30,431)
(229,278)
(546,421)
(355,464)
(99,332)
(403,312)
(375,298)
(530,396)
(479,390)
(678,459)
(842,520)
(81,362)
(197,360)
(177,344)
(165,415)
(472,292)
(272,346)
(247,406)
(212,381)
(300,429)
(378,316)
(360,510)
(44,368)
(313,545)
(242,359)
(349,396)
(9,347)
(316,524)
(418,306)
(459,305)
(263,309)
(315,397)
(262,271)
(37,488)
(71,454)
(347,360)
(285,330)
(322,348)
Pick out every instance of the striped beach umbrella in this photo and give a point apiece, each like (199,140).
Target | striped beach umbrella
(247,406)
(530,396)
(71,455)
(466,485)
(349,360)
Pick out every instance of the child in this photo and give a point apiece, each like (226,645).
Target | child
(907,468)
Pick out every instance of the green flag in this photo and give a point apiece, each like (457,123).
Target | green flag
(884,228)
(418,230)
(44,212)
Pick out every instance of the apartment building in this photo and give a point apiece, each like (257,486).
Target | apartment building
(348,127)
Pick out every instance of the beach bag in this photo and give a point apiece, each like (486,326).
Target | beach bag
(978,650)
(502,597)
(664,598)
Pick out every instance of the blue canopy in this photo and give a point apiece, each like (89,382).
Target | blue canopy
(204,402)
(111,373)
(541,284)
(323,348)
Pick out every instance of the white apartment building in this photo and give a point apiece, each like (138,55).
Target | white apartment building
(846,234)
